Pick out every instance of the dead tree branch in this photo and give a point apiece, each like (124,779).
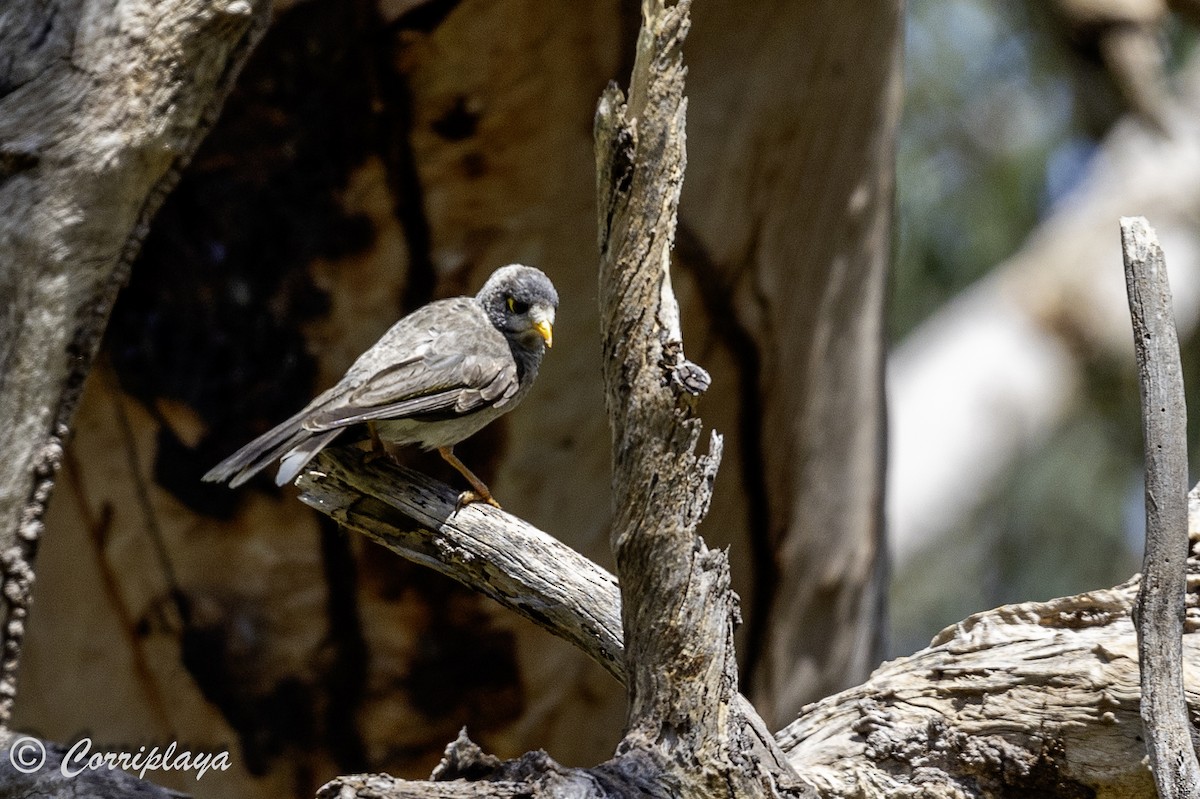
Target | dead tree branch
(688,731)
(486,549)
(1038,696)
(1160,600)
(502,557)
(678,609)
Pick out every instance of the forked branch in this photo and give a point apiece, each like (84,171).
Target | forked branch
(689,731)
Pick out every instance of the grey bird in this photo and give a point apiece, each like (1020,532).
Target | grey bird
(437,376)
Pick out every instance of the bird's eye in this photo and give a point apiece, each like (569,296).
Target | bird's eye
(516,306)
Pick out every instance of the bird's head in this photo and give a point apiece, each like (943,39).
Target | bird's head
(521,302)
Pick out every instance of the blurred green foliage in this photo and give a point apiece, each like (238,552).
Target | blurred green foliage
(990,136)
(1003,112)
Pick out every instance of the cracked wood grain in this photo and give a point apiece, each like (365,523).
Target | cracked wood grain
(678,609)
(1160,600)
(484,548)
(1039,696)
(101,102)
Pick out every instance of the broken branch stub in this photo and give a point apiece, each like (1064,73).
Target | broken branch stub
(1159,611)
(678,610)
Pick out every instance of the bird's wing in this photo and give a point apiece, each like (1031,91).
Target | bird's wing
(444,361)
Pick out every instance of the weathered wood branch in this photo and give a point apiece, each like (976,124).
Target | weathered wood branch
(660,487)
(486,549)
(1024,696)
(495,553)
(1160,600)
(100,104)
(678,609)
(1039,698)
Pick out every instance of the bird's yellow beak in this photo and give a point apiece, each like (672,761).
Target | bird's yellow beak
(546,330)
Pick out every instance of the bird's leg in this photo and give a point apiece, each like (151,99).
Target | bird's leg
(481,492)
(378,448)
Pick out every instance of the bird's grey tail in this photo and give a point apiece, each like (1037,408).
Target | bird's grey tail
(288,440)
(295,460)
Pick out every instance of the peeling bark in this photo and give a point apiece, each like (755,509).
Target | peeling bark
(687,731)
(100,105)
(1039,698)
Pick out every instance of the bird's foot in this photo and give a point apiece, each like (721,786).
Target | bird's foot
(481,492)
(467,497)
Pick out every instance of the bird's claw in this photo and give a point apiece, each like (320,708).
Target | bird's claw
(467,497)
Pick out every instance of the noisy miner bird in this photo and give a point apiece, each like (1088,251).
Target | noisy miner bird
(436,377)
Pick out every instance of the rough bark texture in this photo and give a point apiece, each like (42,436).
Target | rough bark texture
(1160,603)
(487,550)
(1035,699)
(100,104)
(678,609)
(374,155)
(676,600)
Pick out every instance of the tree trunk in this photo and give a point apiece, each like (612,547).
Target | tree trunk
(100,105)
(314,653)
(371,157)
(787,214)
